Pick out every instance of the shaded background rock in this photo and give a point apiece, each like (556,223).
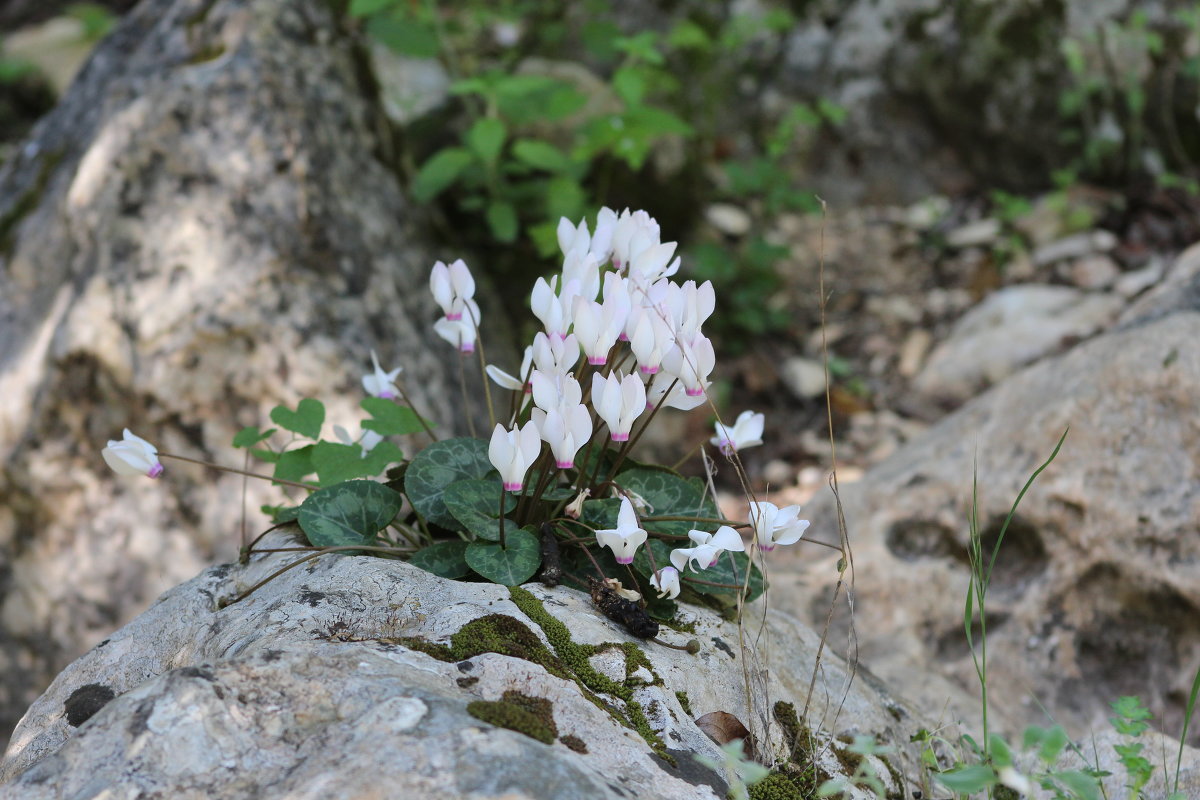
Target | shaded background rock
(1095,593)
(209,224)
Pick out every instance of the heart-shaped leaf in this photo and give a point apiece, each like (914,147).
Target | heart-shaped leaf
(306,420)
(335,462)
(390,419)
(476,505)
(295,465)
(670,495)
(435,468)
(511,565)
(348,513)
(248,437)
(444,559)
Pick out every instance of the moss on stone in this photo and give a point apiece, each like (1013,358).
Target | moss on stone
(494,633)
(532,716)
(779,786)
(574,742)
(685,703)
(575,658)
(785,715)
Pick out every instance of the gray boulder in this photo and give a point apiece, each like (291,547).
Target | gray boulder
(357,677)
(210,223)
(1096,590)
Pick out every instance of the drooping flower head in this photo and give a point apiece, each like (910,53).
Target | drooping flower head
(513,452)
(774,525)
(619,401)
(626,538)
(453,287)
(708,548)
(666,582)
(746,432)
(380,383)
(132,455)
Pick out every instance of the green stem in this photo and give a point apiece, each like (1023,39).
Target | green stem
(235,471)
(421,419)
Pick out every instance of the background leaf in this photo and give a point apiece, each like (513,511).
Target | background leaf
(444,559)
(436,467)
(502,219)
(348,513)
(248,437)
(295,465)
(441,170)
(486,137)
(336,462)
(306,420)
(389,419)
(510,566)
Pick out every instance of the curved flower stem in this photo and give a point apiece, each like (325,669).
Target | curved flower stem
(633,440)
(424,424)
(487,387)
(462,382)
(299,561)
(503,543)
(306,486)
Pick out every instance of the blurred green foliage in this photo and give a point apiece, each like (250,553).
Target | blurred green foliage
(560,112)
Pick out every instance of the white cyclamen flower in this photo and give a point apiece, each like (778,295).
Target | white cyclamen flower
(618,401)
(452,287)
(650,339)
(132,455)
(666,582)
(513,453)
(555,355)
(774,525)
(380,383)
(670,392)
(746,432)
(691,362)
(709,547)
(626,538)
(566,429)
(597,327)
(458,332)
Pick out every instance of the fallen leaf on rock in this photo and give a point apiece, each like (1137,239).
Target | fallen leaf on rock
(723,728)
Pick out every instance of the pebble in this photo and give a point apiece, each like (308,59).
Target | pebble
(913,351)
(1097,271)
(974,234)
(1076,246)
(1131,284)
(729,219)
(804,377)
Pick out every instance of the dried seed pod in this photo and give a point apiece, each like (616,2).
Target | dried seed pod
(622,611)
(551,573)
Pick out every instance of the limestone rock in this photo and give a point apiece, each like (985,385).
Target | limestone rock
(1096,591)
(209,224)
(335,681)
(1011,328)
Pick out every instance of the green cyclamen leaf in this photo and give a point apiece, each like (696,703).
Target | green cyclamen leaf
(502,219)
(476,505)
(511,565)
(295,465)
(306,420)
(444,559)
(1081,784)
(335,462)
(248,437)
(730,569)
(435,468)
(389,419)
(348,513)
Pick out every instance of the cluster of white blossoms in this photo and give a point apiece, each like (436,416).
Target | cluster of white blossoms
(613,314)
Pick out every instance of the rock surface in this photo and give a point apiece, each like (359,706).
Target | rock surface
(322,684)
(209,224)
(1096,590)
(1011,328)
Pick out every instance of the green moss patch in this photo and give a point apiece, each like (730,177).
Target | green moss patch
(575,658)
(494,633)
(532,716)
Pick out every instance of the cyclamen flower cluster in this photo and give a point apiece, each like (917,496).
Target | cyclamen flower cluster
(588,312)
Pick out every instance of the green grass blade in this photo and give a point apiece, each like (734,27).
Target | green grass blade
(1187,719)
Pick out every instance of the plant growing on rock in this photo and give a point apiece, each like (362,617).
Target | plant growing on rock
(553,488)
